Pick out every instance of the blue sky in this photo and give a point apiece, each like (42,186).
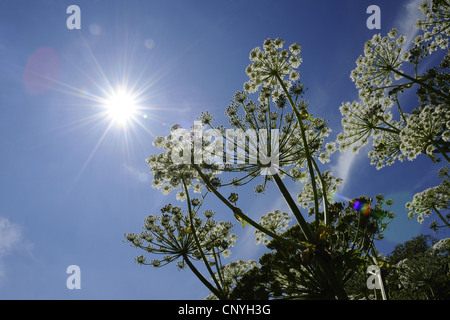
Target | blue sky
(72,183)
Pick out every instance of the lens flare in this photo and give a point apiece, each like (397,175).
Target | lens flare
(42,70)
(333,196)
(362,207)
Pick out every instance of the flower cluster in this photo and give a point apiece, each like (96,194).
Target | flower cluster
(424,131)
(421,275)
(432,199)
(272,65)
(172,235)
(423,128)
(361,121)
(276,221)
(382,58)
(331,185)
(231,273)
(245,115)
(435,25)
(168,175)
(442,245)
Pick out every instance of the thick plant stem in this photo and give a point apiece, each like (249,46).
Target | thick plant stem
(202,278)
(305,144)
(294,208)
(440,216)
(326,213)
(442,152)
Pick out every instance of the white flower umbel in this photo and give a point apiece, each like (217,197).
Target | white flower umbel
(276,221)
(435,199)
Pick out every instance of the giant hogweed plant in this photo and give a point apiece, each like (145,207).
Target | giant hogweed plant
(313,259)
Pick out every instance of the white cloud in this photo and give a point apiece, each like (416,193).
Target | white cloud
(139,175)
(343,167)
(407,20)
(10,239)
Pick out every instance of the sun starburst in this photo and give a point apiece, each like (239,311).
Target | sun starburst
(121,106)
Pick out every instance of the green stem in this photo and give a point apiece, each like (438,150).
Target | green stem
(400,109)
(394,129)
(294,208)
(218,266)
(387,129)
(197,242)
(237,211)
(356,232)
(201,277)
(440,150)
(440,216)
(421,83)
(326,214)
(305,143)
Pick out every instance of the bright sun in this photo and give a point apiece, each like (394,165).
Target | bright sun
(121,106)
